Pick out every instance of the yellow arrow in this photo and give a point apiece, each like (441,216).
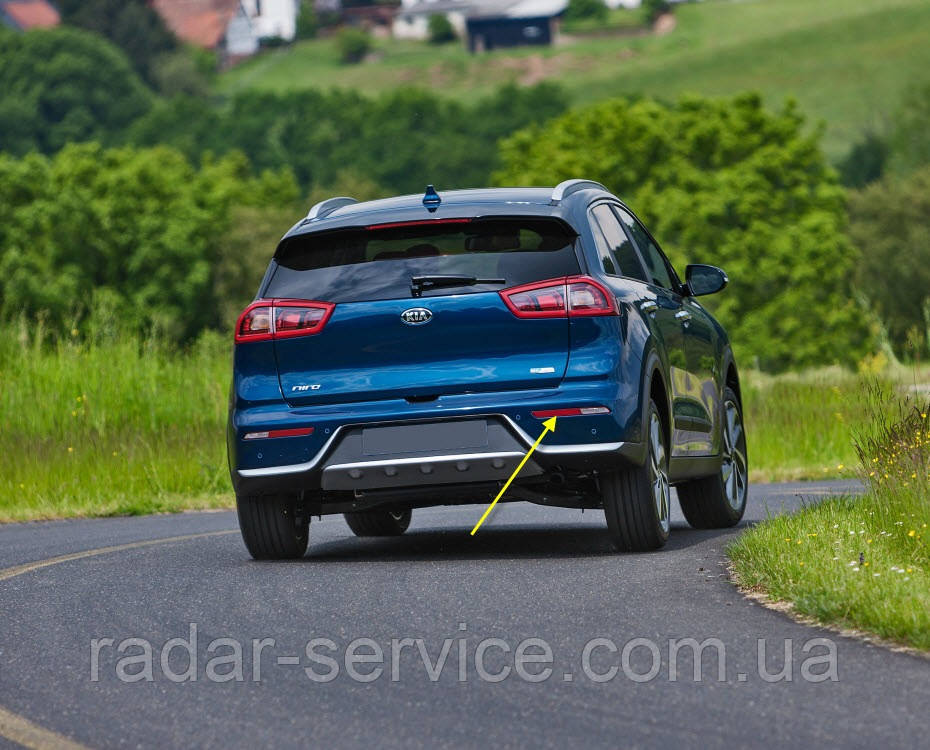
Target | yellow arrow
(548,425)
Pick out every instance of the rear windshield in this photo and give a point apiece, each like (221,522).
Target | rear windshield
(373,264)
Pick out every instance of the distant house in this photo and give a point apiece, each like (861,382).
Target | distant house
(221,25)
(273,19)
(486,24)
(23,15)
(513,24)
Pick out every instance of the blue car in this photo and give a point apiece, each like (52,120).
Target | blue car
(405,353)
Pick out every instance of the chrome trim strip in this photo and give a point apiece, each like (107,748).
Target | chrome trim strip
(443,458)
(270,471)
(561,449)
(548,450)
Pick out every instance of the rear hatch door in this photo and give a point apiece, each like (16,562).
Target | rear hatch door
(417,310)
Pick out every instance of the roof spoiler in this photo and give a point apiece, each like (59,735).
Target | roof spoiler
(564,189)
(325,208)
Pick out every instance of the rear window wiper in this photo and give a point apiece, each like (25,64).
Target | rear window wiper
(420,284)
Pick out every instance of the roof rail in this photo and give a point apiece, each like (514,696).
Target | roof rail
(325,208)
(566,188)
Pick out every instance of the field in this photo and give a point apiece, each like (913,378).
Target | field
(123,426)
(846,62)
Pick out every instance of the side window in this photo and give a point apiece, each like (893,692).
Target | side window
(617,252)
(659,271)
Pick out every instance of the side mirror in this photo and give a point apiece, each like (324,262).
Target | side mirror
(703,279)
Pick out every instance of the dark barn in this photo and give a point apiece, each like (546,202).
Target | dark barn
(526,22)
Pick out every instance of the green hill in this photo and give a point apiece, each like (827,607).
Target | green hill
(845,61)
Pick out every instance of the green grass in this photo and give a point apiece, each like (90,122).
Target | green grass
(811,559)
(619,20)
(858,562)
(118,427)
(845,61)
(798,426)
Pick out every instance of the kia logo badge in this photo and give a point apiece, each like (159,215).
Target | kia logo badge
(416,316)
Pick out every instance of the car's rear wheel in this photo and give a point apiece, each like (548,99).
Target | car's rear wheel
(637,501)
(274,527)
(719,501)
(379,522)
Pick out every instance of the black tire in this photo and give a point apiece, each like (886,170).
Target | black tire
(379,522)
(719,501)
(632,497)
(274,527)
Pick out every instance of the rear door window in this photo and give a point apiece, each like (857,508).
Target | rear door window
(378,263)
(618,256)
(659,269)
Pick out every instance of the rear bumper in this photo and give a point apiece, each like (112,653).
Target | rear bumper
(341,463)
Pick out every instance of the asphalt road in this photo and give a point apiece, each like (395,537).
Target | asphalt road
(531,572)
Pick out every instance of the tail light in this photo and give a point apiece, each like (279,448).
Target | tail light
(559,298)
(279,319)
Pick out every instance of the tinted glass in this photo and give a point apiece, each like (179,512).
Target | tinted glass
(614,246)
(659,272)
(371,264)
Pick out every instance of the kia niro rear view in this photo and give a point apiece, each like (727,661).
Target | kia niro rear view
(405,353)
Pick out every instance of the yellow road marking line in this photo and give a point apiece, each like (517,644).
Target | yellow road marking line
(22,731)
(548,425)
(18,570)
(27,734)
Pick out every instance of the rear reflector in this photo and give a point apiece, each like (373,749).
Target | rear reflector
(578,411)
(295,432)
(559,298)
(282,318)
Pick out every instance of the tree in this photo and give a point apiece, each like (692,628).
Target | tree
(353,45)
(401,140)
(441,30)
(723,182)
(141,228)
(578,10)
(890,224)
(865,162)
(132,25)
(308,24)
(65,85)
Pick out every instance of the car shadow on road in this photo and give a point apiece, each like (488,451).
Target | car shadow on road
(501,543)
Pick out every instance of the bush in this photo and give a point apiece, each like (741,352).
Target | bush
(582,9)
(723,182)
(440,29)
(890,223)
(353,45)
(652,9)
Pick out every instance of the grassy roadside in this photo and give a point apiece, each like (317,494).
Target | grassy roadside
(117,425)
(861,562)
(847,62)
